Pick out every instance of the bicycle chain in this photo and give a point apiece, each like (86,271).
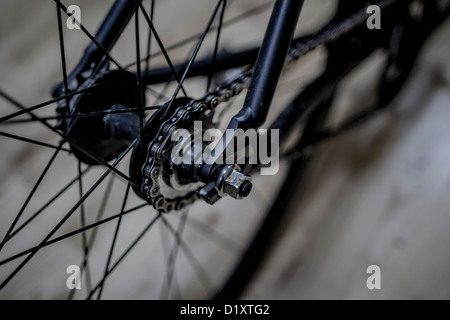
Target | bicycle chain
(185,115)
(182,117)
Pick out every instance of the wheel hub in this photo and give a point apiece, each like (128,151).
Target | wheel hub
(100,119)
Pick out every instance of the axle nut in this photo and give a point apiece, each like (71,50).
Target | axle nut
(237,185)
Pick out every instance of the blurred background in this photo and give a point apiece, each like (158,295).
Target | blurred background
(377,195)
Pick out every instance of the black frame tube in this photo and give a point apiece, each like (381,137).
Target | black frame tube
(269,64)
(268,68)
(112,26)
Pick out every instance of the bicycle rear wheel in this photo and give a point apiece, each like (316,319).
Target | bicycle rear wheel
(58,212)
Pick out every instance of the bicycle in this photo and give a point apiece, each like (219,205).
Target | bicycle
(108,114)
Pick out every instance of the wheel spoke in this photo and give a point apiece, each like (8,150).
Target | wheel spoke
(163,94)
(216,47)
(72,142)
(84,242)
(67,216)
(165,245)
(163,50)
(127,251)
(39,143)
(220,239)
(63,55)
(89,244)
(170,271)
(205,279)
(41,105)
(138,66)
(48,203)
(251,12)
(194,55)
(31,194)
(82,114)
(149,38)
(113,244)
(73,233)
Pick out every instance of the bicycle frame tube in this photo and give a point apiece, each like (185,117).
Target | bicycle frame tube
(112,26)
(269,65)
